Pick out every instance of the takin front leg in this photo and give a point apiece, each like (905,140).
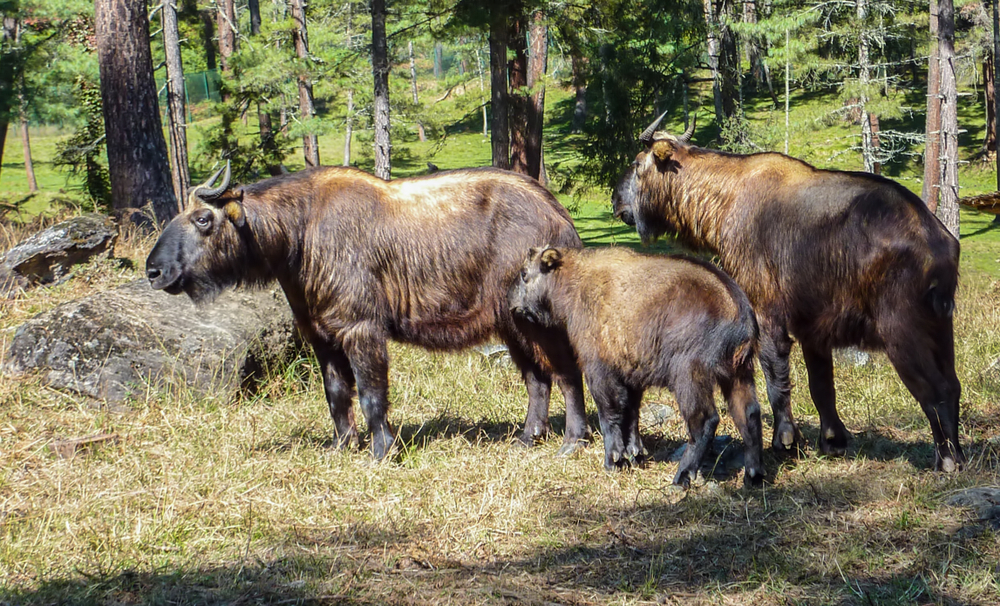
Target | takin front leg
(775,347)
(338,382)
(926,364)
(366,349)
(538,383)
(833,436)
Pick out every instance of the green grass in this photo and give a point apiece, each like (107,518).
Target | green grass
(212,501)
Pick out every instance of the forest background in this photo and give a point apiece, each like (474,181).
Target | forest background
(268,85)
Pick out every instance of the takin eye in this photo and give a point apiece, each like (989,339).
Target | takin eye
(203,220)
(524,274)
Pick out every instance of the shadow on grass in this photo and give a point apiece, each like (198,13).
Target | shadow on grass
(804,544)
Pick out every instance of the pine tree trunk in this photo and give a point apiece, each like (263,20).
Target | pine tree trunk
(226,26)
(519,105)
(729,60)
(413,85)
(29,167)
(137,152)
(948,206)
(931,191)
(712,28)
(310,143)
(482,90)
(537,61)
(176,107)
(867,142)
(438,60)
(500,131)
(380,70)
(265,124)
(580,88)
(990,140)
(8,26)
(349,127)
(22,105)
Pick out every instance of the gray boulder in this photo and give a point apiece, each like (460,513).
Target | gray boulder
(985,500)
(115,344)
(48,256)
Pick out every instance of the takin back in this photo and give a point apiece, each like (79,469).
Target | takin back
(638,321)
(425,260)
(831,258)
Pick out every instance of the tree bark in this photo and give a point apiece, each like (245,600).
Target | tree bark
(519,105)
(380,71)
(226,27)
(413,86)
(176,107)
(868,140)
(500,135)
(482,90)
(310,143)
(711,27)
(948,205)
(349,127)
(438,60)
(931,191)
(137,152)
(537,62)
(729,60)
(8,75)
(990,140)
(29,167)
(265,124)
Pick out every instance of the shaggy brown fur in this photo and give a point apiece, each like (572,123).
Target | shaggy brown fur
(832,258)
(637,321)
(425,261)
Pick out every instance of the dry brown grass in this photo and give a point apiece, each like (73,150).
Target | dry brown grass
(206,501)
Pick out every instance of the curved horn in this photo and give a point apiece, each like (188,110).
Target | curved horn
(686,137)
(205,191)
(647,135)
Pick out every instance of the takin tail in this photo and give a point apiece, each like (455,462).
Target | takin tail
(744,344)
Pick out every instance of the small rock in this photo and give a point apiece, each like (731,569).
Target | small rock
(985,500)
(658,414)
(48,256)
(852,356)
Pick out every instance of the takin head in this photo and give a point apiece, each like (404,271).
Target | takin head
(629,193)
(529,295)
(201,252)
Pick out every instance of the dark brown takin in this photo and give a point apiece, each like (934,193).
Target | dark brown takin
(638,321)
(426,260)
(831,258)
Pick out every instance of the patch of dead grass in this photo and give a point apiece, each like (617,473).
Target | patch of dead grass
(206,501)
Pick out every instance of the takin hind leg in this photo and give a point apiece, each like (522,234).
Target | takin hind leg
(613,399)
(694,398)
(338,382)
(925,362)
(366,349)
(775,347)
(741,396)
(833,436)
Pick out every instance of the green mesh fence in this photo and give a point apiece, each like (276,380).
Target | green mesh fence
(199,87)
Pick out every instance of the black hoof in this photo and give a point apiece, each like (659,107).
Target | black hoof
(833,442)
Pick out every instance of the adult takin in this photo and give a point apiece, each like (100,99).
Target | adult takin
(425,260)
(831,258)
(637,321)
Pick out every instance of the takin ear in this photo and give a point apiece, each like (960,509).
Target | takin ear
(234,209)
(550,260)
(662,150)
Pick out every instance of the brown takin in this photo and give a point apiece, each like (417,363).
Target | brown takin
(831,258)
(637,321)
(426,261)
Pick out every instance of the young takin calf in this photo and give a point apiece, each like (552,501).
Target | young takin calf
(831,258)
(637,321)
(426,261)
